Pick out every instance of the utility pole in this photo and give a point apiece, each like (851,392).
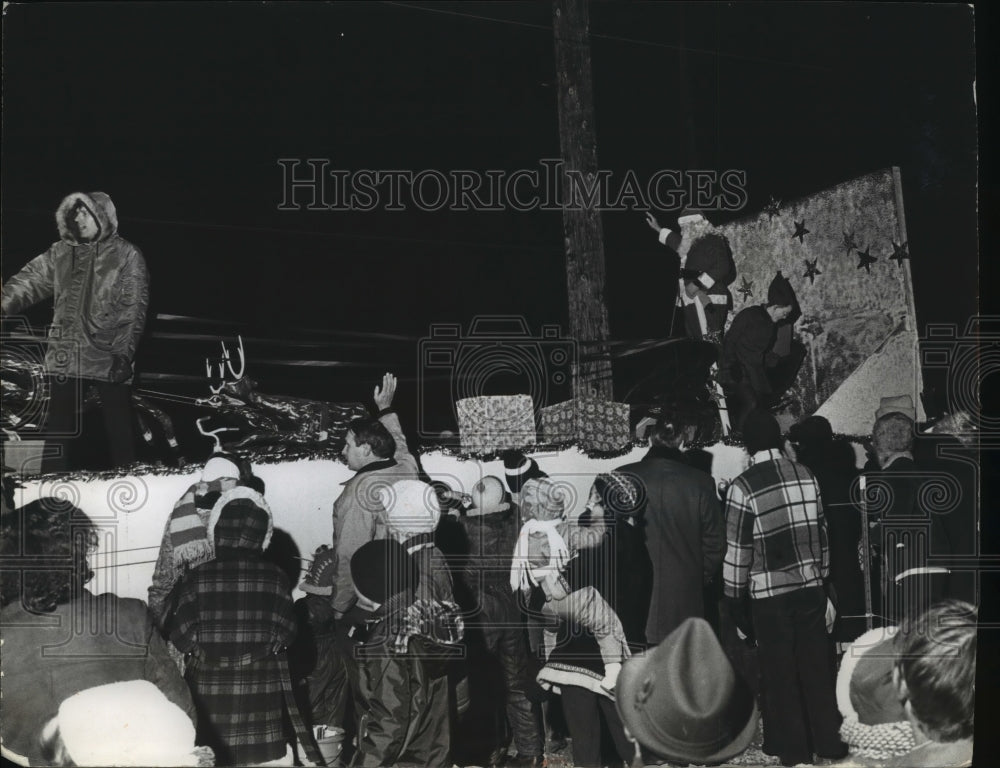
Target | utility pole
(583,233)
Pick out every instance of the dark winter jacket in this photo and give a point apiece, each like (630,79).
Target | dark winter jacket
(403,682)
(685,535)
(87,642)
(101,292)
(744,347)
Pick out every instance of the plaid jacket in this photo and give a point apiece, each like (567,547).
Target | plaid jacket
(775,529)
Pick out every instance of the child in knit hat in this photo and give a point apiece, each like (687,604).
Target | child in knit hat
(412,515)
(545,547)
(402,647)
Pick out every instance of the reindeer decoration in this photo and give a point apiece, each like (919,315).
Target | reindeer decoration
(272,420)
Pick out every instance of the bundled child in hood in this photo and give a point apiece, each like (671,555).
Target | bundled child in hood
(546,548)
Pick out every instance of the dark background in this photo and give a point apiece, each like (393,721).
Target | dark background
(180,112)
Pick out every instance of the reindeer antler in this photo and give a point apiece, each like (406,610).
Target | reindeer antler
(214,434)
(222,373)
(229,365)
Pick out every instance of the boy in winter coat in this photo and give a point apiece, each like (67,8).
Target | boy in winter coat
(545,547)
(402,648)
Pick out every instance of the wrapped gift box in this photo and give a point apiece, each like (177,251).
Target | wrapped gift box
(492,423)
(595,425)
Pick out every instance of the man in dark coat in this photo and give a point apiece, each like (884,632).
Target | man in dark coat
(909,532)
(101,290)
(760,355)
(685,530)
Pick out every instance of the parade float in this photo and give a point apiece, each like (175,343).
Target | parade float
(844,250)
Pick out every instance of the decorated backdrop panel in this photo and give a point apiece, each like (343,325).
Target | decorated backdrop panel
(846,254)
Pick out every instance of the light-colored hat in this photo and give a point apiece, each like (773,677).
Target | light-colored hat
(488,496)
(127,723)
(219,466)
(897,404)
(411,507)
(541,499)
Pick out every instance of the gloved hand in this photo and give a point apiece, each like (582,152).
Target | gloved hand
(121,369)
(739,610)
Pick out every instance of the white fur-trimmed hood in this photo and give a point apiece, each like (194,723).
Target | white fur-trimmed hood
(240,492)
(100,206)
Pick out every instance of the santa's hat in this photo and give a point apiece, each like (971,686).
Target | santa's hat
(519,469)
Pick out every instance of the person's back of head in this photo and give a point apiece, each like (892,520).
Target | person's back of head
(936,670)
(670,431)
(892,434)
(45,544)
(373,433)
(761,432)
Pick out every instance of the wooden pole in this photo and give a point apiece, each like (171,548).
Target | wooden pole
(582,229)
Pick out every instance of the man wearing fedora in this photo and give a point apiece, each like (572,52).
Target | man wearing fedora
(777,551)
(682,701)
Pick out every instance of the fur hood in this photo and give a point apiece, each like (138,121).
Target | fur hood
(100,207)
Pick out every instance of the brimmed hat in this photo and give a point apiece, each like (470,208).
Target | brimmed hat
(683,701)
(411,506)
(896,404)
(519,469)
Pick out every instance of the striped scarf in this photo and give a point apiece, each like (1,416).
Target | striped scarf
(188,523)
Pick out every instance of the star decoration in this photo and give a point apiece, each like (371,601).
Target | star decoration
(811,270)
(800,229)
(773,208)
(866,259)
(850,244)
(899,252)
(746,289)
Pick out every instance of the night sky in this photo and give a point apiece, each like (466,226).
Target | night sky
(181,112)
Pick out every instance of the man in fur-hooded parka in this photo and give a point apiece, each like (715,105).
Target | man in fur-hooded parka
(100,286)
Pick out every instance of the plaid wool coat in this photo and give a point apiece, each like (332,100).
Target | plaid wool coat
(233,615)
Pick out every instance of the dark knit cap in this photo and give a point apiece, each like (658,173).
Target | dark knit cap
(780,292)
(519,469)
(383,568)
(760,432)
(812,430)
